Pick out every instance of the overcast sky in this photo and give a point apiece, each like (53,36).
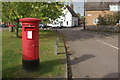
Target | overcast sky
(78,7)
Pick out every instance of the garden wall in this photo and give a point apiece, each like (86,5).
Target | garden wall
(108,28)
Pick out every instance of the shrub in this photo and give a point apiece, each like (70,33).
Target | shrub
(108,19)
(101,20)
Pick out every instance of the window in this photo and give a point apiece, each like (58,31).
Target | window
(89,14)
(95,21)
(67,22)
(51,22)
(61,23)
(114,7)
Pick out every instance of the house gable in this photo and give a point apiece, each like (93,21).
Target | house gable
(71,11)
(69,19)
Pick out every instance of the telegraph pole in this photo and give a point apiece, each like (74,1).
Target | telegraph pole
(84,14)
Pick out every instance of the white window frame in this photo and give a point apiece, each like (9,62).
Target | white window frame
(89,14)
(95,21)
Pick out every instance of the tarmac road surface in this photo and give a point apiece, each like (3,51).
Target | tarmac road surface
(94,53)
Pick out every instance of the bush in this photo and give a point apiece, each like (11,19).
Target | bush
(108,19)
(101,20)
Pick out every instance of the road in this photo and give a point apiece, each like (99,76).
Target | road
(94,53)
(3,28)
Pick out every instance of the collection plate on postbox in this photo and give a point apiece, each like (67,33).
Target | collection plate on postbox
(29,31)
(29,34)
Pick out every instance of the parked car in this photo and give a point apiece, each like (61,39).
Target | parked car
(57,25)
(3,25)
(43,25)
(13,25)
(40,25)
(20,26)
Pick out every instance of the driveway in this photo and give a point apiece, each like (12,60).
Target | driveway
(94,53)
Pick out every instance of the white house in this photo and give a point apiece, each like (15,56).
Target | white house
(69,20)
(115,7)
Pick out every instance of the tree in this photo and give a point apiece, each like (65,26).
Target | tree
(82,19)
(13,11)
(79,15)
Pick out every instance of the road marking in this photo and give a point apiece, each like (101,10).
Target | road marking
(108,44)
(108,37)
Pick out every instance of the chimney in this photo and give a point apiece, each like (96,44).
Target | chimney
(72,6)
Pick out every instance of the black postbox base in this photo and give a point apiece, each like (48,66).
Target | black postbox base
(30,65)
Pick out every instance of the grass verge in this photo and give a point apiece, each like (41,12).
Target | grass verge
(51,65)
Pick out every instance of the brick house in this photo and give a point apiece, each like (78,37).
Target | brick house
(94,9)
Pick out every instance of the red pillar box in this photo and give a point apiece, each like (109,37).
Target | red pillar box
(30,43)
(11,27)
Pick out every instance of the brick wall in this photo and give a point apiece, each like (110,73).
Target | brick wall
(109,28)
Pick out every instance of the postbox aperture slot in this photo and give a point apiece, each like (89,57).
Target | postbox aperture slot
(29,34)
(29,28)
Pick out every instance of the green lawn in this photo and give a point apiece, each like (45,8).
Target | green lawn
(51,65)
